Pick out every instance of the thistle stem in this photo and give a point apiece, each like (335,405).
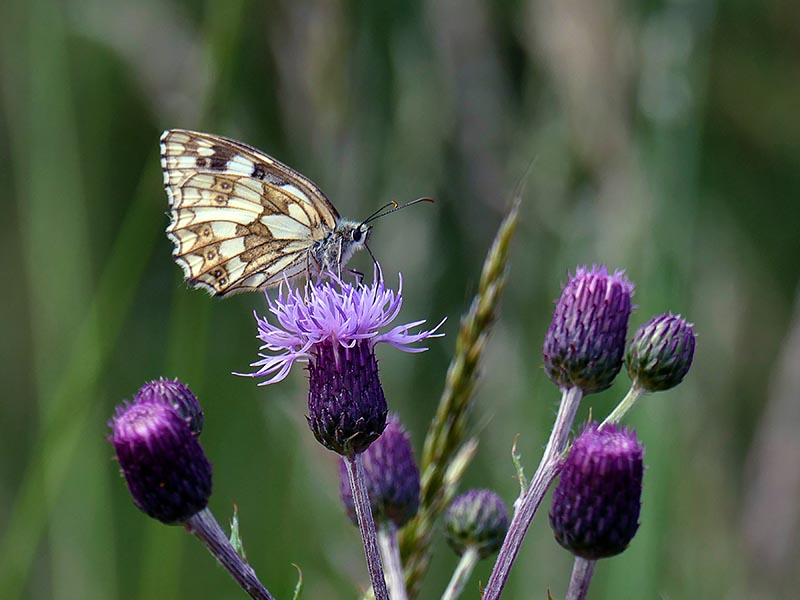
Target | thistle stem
(633,395)
(358,487)
(390,553)
(462,574)
(582,572)
(205,527)
(546,472)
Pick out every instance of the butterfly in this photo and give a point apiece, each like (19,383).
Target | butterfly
(242,221)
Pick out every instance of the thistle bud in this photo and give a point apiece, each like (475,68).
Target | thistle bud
(586,339)
(476,519)
(391,476)
(660,353)
(596,504)
(167,472)
(176,394)
(346,406)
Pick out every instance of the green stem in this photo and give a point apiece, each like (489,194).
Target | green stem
(462,574)
(623,407)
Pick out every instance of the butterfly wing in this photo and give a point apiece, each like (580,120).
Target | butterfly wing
(239,219)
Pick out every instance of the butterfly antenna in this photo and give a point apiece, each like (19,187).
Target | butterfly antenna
(378,212)
(393,207)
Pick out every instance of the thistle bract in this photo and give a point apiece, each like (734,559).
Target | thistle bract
(476,519)
(660,353)
(176,394)
(346,406)
(167,472)
(586,339)
(596,504)
(391,475)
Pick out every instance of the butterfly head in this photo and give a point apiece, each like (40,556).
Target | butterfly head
(352,236)
(359,235)
(349,238)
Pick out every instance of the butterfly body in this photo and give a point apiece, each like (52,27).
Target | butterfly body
(242,221)
(338,246)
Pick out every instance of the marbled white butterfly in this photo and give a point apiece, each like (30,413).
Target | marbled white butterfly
(242,221)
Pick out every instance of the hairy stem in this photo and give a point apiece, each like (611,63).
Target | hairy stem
(545,474)
(582,572)
(205,527)
(358,487)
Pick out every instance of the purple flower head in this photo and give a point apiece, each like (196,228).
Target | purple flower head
(660,353)
(586,339)
(168,474)
(595,511)
(334,326)
(476,519)
(336,313)
(176,394)
(392,477)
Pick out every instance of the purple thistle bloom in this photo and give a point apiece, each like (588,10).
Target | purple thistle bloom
(336,313)
(477,519)
(586,339)
(334,327)
(391,475)
(176,394)
(595,511)
(168,474)
(661,352)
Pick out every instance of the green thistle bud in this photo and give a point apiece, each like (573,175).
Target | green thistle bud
(476,519)
(660,354)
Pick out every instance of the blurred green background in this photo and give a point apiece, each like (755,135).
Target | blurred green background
(665,137)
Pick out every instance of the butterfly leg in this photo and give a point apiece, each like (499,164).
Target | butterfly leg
(339,259)
(313,268)
(357,274)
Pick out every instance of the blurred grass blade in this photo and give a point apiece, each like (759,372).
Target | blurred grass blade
(187,336)
(55,271)
(72,397)
(298,588)
(449,427)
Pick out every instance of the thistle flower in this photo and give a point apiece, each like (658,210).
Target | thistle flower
(176,394)
(334,327)
(391,475)
(476,519)
(586,339)
(167,472)
(661,352)
(595,511)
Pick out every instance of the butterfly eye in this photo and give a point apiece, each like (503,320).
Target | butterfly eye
(357,234)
